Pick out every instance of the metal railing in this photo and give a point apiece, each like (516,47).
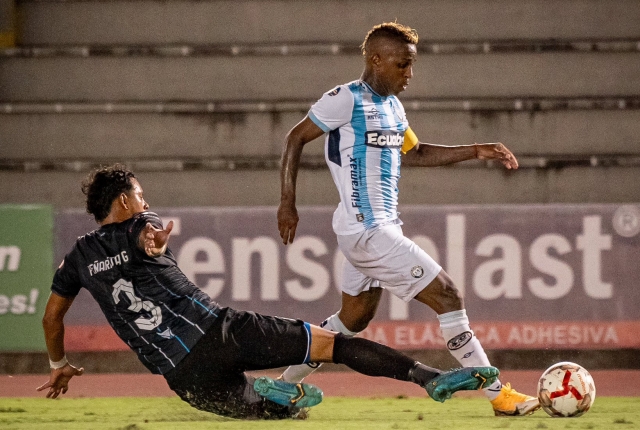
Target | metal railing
(506,104)
(180,164)
(321,48)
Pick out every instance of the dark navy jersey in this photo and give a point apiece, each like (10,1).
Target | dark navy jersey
(149,302)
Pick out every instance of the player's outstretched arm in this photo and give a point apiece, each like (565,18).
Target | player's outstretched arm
(431,155)
(61,370)
(304,132)
(154,240)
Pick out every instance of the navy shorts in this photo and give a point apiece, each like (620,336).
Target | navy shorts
(211,377)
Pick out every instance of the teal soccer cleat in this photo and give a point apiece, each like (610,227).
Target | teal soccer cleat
(443,386)
(288,393)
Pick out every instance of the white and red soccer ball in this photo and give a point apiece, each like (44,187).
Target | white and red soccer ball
(566,390)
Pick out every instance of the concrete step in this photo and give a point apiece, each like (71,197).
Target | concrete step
(237,135)
(257,21)
(272,78)
(446,185)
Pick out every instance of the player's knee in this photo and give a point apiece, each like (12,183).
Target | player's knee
(357,323)
(441,295)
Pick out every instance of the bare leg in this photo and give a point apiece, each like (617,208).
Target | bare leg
(441,295)
(353,317)
(357,311)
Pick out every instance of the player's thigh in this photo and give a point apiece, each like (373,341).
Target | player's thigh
(264,342)
(354,281)
(397,262)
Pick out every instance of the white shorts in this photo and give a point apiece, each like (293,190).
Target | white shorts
(384,257)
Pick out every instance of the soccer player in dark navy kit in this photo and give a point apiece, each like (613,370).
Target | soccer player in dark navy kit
(201,348)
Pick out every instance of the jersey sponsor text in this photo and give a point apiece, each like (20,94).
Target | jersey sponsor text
(384,138)
(355,182)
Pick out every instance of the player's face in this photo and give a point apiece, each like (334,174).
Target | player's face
(135,200)
(396,67)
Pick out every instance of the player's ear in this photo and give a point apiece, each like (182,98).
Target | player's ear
(375,59)
(123,201)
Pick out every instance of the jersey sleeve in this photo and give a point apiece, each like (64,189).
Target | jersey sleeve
(66,281)
(410,140)
(139,221)
(333,110)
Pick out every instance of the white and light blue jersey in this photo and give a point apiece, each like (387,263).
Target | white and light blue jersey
(365,132)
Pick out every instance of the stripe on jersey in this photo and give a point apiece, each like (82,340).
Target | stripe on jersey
(385,158)
(319,123)
(399,124)
(333,149)
(360,153)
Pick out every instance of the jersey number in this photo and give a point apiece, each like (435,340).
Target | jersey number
(137,305)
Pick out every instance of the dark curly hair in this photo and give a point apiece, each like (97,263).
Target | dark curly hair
(103,186)
(391,30)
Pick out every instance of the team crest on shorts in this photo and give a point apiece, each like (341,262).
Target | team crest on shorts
(359,217)
(417,271)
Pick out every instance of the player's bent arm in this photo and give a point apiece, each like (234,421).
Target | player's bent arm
(432,155)
(301,134)
(53,325)
(304,132)
(153,241)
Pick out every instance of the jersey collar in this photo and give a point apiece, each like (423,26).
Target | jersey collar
(372,90)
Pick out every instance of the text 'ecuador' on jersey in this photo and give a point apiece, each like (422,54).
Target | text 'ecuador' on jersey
(365,132)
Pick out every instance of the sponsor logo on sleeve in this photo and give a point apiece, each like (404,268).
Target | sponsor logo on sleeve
(334,91)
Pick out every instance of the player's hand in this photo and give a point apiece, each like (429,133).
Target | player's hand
(155,240)
(59,380)
(287,222)
(496,151)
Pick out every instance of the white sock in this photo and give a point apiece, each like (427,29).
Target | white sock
(465,346)
(300,371)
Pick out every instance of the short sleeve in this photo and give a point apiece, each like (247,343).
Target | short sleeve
(138,222)
(333,110)
(66,281)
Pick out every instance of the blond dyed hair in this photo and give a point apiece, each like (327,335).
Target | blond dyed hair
(391,30)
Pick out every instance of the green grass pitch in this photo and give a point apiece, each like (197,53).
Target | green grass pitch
(129,413)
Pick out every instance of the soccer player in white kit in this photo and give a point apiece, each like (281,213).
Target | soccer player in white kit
(367,134)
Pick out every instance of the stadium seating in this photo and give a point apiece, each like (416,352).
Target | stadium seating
(198,96)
